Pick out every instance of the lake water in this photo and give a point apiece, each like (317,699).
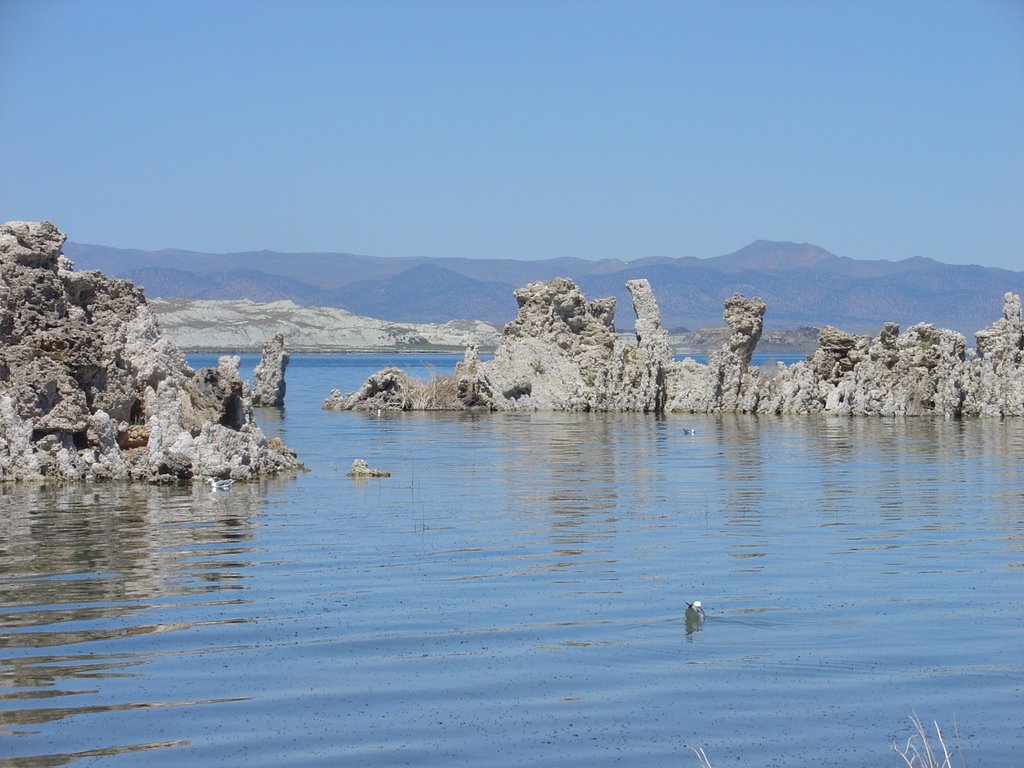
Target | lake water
(514,595)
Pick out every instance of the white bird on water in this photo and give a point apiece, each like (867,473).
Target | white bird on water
(219,485)
(695,610)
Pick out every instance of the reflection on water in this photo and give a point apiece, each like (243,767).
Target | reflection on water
(514,594)
(101,568)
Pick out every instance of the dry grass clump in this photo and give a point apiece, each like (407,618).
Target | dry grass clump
(699,752)
(438,393)
(919,752)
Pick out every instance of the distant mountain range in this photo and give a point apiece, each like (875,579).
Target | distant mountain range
(802,284)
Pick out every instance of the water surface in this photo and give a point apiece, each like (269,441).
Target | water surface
(513,594)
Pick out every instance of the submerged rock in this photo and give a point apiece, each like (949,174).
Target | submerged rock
(91,389)
(563,353)
(390,389)
(361,469)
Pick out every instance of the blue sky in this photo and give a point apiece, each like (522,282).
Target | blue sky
(876,129)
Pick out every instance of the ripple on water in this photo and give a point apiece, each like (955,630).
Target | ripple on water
(513,594)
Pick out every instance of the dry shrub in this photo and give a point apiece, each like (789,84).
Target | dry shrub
(438,393)
(919,752)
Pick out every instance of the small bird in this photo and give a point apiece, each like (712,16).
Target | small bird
(689,431)
(694,610)
(219,485)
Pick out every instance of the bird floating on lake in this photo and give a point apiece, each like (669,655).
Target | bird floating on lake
(689,431)
(695,610)
(219,485)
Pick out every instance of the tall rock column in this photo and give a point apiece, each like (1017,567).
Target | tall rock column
(268,377)
(644,366)
(997,384)
(728,367)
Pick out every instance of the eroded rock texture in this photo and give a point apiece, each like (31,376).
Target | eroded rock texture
(727,382)
(91,389)
(563,353)
(560,353)
(924,370)
(268,385)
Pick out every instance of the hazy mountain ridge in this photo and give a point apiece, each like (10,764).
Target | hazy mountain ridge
(802,284)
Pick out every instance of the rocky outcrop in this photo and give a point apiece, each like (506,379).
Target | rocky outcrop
(390,389)
(922,371)
(995,386)
(268,385)
(556,354)
(91,389)
(562,353)
(642,384)
(915,373)
(726,383)
(361,470)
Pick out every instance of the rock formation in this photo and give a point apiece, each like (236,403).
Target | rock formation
(562,353)
(91,389)
(390,389)
(360,469)
(924,370)
(726,382)
(268,377)
(995,386)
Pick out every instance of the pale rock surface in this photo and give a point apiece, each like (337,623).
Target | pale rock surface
(360,469)
(726,383)
(995,385)
(562,353)
(245,325)
(390,389)
(91,389)
(472,391)
(268,386)
(556,354)
(642,383)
